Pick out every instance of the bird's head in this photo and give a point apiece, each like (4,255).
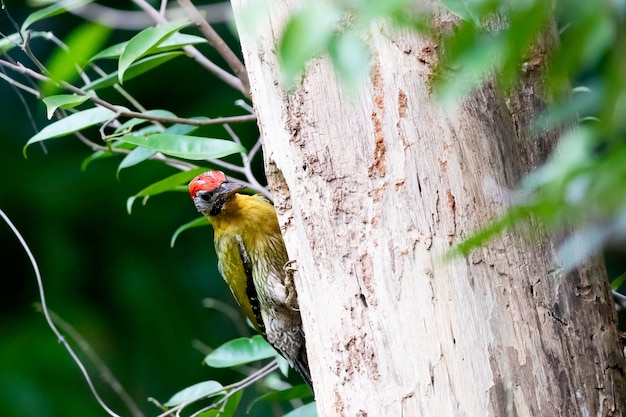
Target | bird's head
(211,190)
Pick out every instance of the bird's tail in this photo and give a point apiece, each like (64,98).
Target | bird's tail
(301,364)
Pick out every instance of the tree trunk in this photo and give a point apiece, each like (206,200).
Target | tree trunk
(372,189)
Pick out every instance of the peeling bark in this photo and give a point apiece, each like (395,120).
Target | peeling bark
(372,189)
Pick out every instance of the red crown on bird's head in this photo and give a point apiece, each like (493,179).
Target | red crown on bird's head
(207,181)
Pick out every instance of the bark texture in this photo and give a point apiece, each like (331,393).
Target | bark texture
(372,189)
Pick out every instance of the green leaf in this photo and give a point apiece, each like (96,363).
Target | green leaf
(187,147)
(64,64)
(170,183)
(195,392)
(176,41)
(137,155)
(617,282)
(307,410)
(63,101)
(52,10)
(232,404)
(240,351)
(145,41)
(137,68)
(180,129)
(71,124)
(306,35)
(201,221)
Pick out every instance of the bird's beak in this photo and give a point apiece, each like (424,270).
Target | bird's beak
(228,188)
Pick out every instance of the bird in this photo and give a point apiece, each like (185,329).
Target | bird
(253,260)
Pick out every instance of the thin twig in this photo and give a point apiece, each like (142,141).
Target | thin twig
(216,70)
(228,389)
(242,103)
(19,85)
(262,373)
(247,161)
(218,43)
(128,113)
(104,370)
(48,318)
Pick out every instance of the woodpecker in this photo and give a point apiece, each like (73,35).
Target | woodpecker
(252,259)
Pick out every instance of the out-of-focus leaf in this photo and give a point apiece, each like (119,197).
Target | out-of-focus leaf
(581,246)
(71,124)
(63,101)
(240,351)
(525,27)
(513,216)
(462,9)
(52,10)
(306,35)
(145,41)
(64,65)
(600,33)
(187,147)
(572,153)
(171,183)
(351,58)
(469,67)
(307,410)
(201,221)
(176,41)
(195,392)
(137,68)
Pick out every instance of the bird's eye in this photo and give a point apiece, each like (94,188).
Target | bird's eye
(205,196)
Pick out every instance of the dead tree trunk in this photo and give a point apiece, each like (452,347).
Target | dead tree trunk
(372,190)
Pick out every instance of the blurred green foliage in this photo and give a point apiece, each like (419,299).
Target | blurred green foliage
(577,47)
